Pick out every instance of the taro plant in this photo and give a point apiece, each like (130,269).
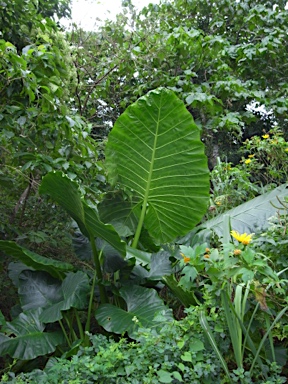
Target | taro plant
(159,190)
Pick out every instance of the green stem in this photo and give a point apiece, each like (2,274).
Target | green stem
(80,327)
(268,325)
(87,326)
(209,334)
(233,326)
(103,295)
(65,333)
(277,318)
(140,223)
(70,325)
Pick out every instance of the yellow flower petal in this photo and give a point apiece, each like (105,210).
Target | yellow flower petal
(265,136)
(243,238)
(247,161)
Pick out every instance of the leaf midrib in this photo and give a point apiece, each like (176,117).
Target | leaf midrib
(146,195)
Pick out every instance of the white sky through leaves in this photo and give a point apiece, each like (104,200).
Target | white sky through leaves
(86,12)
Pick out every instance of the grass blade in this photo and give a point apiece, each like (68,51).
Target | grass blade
(209,334)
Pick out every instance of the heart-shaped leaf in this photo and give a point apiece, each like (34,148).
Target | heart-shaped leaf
(28,339)
(143,304)
(154,152)
(40,290)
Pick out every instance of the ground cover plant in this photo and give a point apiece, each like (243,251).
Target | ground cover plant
(154,251)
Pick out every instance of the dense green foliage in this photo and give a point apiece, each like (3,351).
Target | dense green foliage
(112,231)
(178,353)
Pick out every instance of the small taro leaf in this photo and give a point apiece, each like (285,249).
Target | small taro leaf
(146,242)
(164,376)
(67,194)
(116,210)
(75,289)
(142,257)
(155,152)
(112,260)
(54,267)
(29,340)
(38,290)
(15,269)
(139,274)
(142,305)
(160,265)
(81,246)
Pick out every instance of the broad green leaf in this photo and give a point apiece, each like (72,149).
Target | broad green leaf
(118,212)
(154,152)
(160,265)
(15,269)
(28,337)
(40,290)
(67,194)
(142,306)
(55,268)
(141,257)
(164,376)
(250,217)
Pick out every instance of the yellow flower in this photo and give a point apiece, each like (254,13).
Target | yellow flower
(251,155)
(265,136)
(243,238)
(218,202)
(237,252)
(247,161)
(186,259)
(207,250)
(206,256)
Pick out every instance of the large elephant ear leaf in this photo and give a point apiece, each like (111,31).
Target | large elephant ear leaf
(55,268)
(248,217)
(28,337)
(143,305)
(67,194)
(155,153)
